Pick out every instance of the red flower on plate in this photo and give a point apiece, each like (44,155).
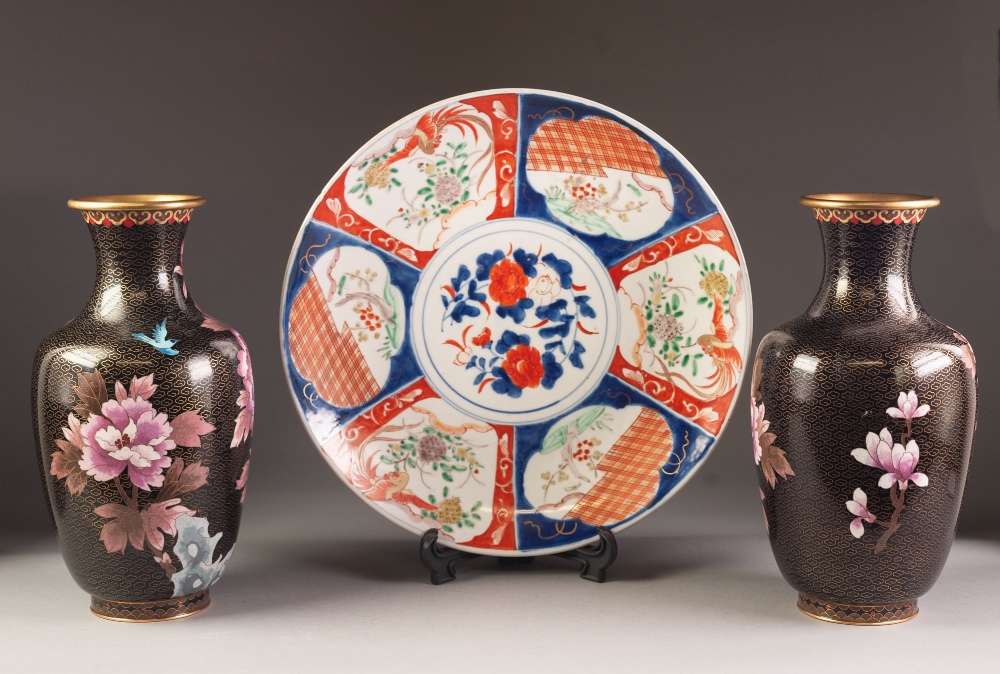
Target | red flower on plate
(482,337)
(524,366)
(507,283)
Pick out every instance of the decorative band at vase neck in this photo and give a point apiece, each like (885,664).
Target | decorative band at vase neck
(126,210)
(869,208)
(867,244)
(138,241)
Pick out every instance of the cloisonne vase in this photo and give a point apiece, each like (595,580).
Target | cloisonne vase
(143,412)
(864,410)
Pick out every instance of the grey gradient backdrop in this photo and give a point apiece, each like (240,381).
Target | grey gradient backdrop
(255,105)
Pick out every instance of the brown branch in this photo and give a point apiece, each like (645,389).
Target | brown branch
(898,498)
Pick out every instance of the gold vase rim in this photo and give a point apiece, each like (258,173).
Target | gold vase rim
(879,200)
(135,202)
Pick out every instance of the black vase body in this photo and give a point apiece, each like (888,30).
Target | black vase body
(864,410)
(143,414)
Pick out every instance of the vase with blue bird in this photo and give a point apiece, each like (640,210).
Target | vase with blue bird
(143,414)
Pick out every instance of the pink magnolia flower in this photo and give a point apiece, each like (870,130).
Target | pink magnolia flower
(898,462)
(859,507)
(904,465)
(128,434)
(759,425)
(908,407)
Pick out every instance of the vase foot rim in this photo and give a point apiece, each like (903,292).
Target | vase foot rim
(150,611)
(858,614)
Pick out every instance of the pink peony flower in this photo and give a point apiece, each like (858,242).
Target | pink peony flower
(128,434)
(898,462)
(908,407)
(760,426)
(859,507)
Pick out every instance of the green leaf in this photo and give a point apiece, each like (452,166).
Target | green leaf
(702,300)
(685,359)
(430,497)
(721,264)
(650,340)
(444,492)
(675,302)
(446,528)
(355,188)
(447,477)
(584,421)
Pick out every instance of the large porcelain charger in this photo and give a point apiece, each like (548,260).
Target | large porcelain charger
(516,316)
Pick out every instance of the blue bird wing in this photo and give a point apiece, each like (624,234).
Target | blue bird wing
(160,331)
(169,352)
(141,337)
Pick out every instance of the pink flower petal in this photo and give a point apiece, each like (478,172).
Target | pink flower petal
(150,476)
(857,509)
(897,454)
(914,449)
(906,464)
(861,497)
(919,479)
(861,455)
(895,413)
(115,413)
(885,455)
(136,407)
(871,442)
(857,528)
(886,480)
(922,411)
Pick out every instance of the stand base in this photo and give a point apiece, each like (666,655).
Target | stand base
(857,614)
(150,611)
(594,559)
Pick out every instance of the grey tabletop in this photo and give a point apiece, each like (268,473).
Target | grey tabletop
(694,586)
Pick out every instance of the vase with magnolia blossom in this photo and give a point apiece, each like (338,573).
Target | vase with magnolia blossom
(863,415)
(143,414)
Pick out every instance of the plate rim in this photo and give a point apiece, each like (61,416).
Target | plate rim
(731,230)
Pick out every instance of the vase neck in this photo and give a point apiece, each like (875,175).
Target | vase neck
(139,266)
(866,271)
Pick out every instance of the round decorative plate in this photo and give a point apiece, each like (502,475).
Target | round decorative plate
(516,316)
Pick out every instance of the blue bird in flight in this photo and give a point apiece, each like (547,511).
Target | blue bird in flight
(159,340)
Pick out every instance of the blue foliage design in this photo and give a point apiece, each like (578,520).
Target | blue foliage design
(559,319)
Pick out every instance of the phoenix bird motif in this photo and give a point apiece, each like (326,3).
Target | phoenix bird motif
(159,339)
